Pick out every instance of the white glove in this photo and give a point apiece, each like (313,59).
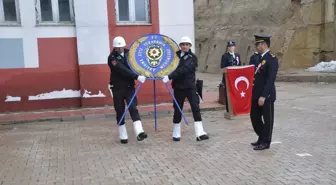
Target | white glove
(165,79)
(142,79)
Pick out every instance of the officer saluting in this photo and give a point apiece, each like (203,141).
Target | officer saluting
(230,58)
(185,87)
(263,93)
(122,86)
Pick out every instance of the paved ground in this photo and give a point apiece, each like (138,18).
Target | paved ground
(210,98)
(88,152)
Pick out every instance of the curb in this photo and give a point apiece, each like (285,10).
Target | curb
(148,114)
(307,78)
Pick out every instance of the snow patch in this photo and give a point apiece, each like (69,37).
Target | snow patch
(12,99)
(304,155)
(56,95)
(328,67)
(87,94)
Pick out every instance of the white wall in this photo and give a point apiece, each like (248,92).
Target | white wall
(176,19)
(92,31)
(29,32)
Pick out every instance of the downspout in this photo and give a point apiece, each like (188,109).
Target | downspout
(328,16)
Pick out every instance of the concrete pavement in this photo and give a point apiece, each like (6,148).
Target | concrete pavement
(303,151)
(210,92)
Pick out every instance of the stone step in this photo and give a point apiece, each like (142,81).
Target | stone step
(98,113)
(304,76)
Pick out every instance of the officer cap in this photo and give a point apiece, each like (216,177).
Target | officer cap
(185,39)
(263,38)
(119,42)
(231,43)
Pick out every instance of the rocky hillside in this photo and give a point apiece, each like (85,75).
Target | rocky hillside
(303,31)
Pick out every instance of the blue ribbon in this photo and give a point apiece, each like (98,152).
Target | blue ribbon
(155,121)
(177,105)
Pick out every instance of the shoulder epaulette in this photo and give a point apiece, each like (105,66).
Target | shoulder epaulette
(272,54)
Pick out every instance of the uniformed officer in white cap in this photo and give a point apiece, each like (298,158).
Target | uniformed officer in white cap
(184,85)
(122,86)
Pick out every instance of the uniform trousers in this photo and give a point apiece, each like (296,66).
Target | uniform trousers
(119,97)
(262,118)
(191,95)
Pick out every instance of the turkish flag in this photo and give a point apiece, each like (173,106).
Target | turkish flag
(240,84)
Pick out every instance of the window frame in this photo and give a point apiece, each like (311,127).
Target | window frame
(132,14)
(55,14)
(3,22)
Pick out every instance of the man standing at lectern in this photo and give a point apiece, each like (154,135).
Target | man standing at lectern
(263,93)
(230,58)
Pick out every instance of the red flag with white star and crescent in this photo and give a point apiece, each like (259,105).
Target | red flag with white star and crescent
(240,84)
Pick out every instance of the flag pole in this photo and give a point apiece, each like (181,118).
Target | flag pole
(155,123)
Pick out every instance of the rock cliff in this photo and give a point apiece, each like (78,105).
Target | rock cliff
(303,31)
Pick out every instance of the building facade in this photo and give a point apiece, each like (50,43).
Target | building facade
(53,53)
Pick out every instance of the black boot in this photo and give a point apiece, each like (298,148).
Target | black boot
(262,146)
(176,138)
(256,143)
(142,136)
(202,137)
(123,141)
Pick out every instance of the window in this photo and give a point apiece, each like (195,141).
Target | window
(132,11)
(9,11)
(55,11)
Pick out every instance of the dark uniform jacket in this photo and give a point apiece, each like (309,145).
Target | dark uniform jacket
(264,78)
(184,76)
(254,59)
(228,60)
(121,75)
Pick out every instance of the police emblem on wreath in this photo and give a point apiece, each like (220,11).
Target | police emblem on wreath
(153,56)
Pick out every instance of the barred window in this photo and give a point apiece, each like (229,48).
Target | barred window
(55,11)
(9,12)
(132,11)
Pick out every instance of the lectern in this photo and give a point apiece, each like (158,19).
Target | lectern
(227,115)
(238,82)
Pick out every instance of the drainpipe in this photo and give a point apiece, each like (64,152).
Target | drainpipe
(334,11)
(328,16)
(331,18)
